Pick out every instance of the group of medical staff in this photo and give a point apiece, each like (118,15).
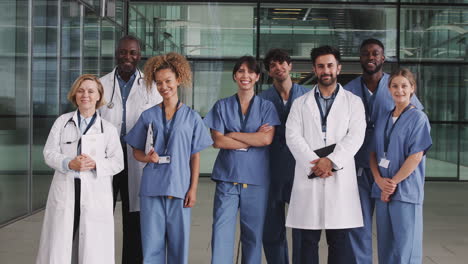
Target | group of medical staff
(149,145)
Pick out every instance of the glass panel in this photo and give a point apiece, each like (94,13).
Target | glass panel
(45,92)
(212,81)
(71,43)
(196,30)
(349,1)
(464,153)
(108,39)
(436,1)
(94,3)
(300,27)
(115,10)
(438,88)
(14,109)
(91,43)
(442,157)
(119,11)
(437,33)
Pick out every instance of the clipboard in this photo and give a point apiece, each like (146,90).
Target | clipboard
(322,152)
(149,139)
(94,146)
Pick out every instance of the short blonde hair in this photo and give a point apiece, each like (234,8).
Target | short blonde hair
(173,61)
(407,74)
(86,77)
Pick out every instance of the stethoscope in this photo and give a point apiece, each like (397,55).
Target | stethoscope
(76,134)
(110,105)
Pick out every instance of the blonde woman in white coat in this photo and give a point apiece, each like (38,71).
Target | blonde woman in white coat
(324,116)
(79,224)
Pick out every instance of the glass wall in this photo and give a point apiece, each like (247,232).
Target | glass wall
(45,45)
(15,126)
(427,36)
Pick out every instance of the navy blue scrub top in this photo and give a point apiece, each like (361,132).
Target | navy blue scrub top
(282,162)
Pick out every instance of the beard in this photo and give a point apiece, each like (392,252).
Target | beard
(331,81)
(126,68)
(378,67)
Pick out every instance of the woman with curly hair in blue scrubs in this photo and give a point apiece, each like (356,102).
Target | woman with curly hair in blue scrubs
(172,152)
(401,140)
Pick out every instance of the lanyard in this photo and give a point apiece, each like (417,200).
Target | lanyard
(243,120)
(366,100)
(323,116)
(387,136)
(78,147)
(90,123)
(168,131)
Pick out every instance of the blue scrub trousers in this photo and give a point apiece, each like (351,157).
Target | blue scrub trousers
(275,244)
(165,230)
(251,202)
(359,250)
(336,240)
(399,232)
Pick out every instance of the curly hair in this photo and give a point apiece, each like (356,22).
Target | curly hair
(279,55)
(173,61)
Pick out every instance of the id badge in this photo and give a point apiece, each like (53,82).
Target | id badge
(164,159)
(243,149)
(384,163)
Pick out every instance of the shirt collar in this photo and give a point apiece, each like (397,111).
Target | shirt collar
(129,80)
(317,91)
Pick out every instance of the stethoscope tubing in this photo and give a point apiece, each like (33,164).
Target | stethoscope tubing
(110,105)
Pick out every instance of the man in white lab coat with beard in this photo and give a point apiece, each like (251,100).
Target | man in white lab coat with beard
(325,191)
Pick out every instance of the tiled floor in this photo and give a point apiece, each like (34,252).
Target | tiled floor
(445,228)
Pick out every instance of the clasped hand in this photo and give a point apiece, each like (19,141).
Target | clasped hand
(82,162)
(323,167)
(387,186)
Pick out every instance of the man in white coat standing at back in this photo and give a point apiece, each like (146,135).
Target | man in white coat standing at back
(127,96)
(325,192)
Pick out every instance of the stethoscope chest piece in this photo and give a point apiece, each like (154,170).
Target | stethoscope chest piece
(110,105)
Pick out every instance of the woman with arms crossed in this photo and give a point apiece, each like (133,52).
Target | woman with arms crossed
(242,126)
(401,139)
(170,179)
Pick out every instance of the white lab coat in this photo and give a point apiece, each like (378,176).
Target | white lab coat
(138,101)
(331,203)
(96,230)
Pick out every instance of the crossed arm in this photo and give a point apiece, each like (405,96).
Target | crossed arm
(238,140)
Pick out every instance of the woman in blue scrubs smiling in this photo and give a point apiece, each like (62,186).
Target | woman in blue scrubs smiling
(242,127)
(169,184)
(401,139)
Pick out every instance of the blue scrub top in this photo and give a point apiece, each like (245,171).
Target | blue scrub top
(189,136)
(410,135)
(282,162)
(250,166)
(379,103)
